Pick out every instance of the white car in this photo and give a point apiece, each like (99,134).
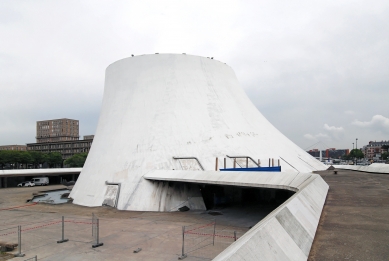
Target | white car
(26,184)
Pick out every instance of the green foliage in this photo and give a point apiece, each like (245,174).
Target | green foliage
(10,157)
(77,160)
(37,158)
(356,153)
(29,157)
(54,158)
(25,157)
(385,155)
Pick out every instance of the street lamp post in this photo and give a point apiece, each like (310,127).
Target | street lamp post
(353,145)
(356,147)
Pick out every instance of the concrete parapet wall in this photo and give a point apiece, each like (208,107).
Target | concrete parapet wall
(288,232)
(373,168)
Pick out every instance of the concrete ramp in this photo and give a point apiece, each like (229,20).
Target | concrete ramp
(286,233)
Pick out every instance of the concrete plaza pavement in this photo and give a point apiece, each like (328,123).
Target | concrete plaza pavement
(354,224)
(159,234)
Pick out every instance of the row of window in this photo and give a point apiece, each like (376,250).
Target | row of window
(60,146)
(12,148)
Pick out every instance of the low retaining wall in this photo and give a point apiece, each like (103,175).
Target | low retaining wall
(373,168)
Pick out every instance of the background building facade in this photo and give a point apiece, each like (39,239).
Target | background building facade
(57,130)
(329,153)
(374,149)
(14,147)
(60,135)
(66,148)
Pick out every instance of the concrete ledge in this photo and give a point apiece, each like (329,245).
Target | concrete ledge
(38,172)
(278,180)
(373,168)
(286,233)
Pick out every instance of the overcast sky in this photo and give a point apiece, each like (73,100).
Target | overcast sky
(319,71)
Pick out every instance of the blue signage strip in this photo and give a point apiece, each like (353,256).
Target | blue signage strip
(267,169)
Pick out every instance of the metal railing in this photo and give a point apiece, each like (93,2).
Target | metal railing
(201,166)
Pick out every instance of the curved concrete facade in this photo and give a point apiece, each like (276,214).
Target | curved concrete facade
(157,107)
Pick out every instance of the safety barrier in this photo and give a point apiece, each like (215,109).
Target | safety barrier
(207,240)
(22,206)
(42,234)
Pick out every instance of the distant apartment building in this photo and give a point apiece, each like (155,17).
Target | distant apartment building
(332,153)
(66,148)
(89,137)
(60,135)
(374,149)
(57,130)
(14,147)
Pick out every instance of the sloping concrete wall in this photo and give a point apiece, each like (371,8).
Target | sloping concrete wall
(373,168)
(288,232)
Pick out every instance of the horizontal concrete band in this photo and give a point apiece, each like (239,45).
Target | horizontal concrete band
(373,168)
(286,233)
(38,172)
(278,180)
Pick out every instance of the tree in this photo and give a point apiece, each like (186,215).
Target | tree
(77,160)
(25,157)
(385,155)
(2,158)
(37,158)
(11,157)
(356,153)
(53,159)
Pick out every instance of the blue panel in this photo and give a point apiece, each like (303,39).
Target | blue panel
(272,169)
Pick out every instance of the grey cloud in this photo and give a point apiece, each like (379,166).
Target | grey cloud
(378,122)
(301,63)
(316,137)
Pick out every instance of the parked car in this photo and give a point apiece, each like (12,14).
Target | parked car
(41,181)
(26,184)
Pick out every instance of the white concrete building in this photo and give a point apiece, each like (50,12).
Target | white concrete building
(160,107)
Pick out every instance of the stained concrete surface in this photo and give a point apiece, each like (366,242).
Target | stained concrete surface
(354,224)
(159,234)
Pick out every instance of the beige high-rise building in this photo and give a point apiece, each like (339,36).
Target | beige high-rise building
(57,130)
